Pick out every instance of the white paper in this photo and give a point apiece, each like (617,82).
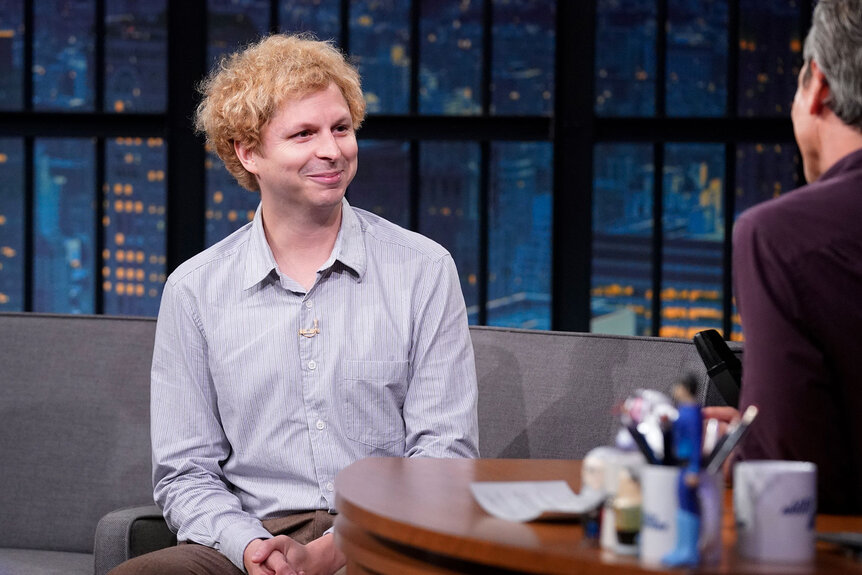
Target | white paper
(531,500)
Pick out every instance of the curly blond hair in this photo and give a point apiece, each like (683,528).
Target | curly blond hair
(246,89)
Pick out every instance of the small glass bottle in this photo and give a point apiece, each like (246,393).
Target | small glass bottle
(627,514)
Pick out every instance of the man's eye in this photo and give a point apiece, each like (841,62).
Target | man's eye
(303,134)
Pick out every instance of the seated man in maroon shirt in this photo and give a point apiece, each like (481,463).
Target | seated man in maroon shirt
(797,264)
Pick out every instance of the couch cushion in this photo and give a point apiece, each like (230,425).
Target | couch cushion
(74,425)
(30,562)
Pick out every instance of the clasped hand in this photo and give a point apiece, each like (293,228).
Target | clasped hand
(281,555)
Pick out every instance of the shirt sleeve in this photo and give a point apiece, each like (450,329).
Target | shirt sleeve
(440,405)
(188,440)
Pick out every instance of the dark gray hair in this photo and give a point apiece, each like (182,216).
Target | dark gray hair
(835,43)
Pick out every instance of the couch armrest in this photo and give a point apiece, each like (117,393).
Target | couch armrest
(127,533)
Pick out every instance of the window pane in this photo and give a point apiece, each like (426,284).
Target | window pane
(626,75)
(65,214)
(63,55)
(763,171)
(229,206)
(232,23)
(770,53)
(524,37)
(450,69)
(382,184)
(693,233)
(134,226)
(380,46)
(621,283)
(12,225)
(11,55)
(322,17)
(449,208)
(696,58)
(519,278)
(136,47)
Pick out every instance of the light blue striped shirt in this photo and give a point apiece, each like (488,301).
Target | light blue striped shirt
(252,420)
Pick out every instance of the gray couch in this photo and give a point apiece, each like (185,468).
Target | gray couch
(74,434)
(74,437)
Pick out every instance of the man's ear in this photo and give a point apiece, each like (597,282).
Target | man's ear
(819,89)
(246,155)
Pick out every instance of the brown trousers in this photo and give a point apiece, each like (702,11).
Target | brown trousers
(193,559)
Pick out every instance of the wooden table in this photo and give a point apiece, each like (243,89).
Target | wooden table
(417,516)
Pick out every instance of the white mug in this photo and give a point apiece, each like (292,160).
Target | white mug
(775,506)
(659,491)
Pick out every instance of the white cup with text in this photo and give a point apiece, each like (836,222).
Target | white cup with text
(775,506)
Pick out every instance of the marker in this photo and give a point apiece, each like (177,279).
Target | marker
(733,437)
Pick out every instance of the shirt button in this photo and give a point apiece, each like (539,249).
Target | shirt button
(330,486)
(312,365)
(309,304)
(320,424)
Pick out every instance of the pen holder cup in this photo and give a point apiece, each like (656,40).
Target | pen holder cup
(660,494)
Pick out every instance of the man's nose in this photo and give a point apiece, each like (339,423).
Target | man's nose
(328,146)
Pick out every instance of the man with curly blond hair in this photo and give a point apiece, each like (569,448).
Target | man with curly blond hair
(315,335)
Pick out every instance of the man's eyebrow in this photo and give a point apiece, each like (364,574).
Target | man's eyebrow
(299,127)
(302,126)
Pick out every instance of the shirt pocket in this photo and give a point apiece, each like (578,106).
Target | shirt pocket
(373,399)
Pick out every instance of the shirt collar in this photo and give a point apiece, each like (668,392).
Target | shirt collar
(259,261)
(349,248)
(350,245)
(851,161)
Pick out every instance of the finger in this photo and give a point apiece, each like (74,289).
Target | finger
(258,569)
(722,413)
(279,564)
(263,550)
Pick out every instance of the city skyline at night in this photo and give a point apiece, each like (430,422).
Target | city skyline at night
(447,204)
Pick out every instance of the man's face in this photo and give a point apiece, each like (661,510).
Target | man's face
(804,128)
(308,152)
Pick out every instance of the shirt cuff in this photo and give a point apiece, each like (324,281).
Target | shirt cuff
(236,537)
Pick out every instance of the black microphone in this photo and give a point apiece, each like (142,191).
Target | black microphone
(722,366)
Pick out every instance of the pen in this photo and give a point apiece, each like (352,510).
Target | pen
(667,436)
(731,440)
(707,459)
(641,442)
(710,437)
